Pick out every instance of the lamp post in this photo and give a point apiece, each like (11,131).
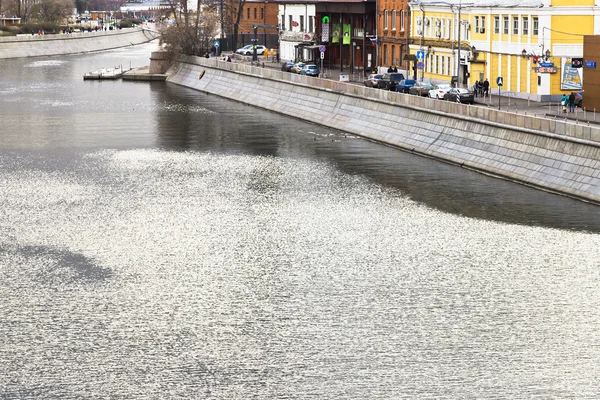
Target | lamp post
(265,23)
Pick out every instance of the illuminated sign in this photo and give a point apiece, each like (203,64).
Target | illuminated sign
(546,70)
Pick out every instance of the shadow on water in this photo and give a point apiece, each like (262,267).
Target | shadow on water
(205,122)
(63,265)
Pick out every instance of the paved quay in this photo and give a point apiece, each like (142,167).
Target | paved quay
(550,110)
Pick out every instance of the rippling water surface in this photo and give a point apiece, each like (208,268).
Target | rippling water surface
(157,242)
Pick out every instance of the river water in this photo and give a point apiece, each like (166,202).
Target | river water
(158,243)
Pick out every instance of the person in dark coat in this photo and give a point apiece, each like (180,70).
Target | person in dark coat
(390,69)
(572,102)
(486,88)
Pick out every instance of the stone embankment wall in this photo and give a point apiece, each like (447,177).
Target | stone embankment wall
(544,153)
(79,42)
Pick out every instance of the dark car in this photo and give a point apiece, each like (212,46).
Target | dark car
(286,66)
(405,85)
(460,96)
(421,88)
(389,81)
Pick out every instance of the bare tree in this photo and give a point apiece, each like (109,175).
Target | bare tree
(236,9)
(192,32)
(54,10)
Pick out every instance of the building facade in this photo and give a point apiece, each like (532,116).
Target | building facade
(393,33)
(530,44)
(297,31)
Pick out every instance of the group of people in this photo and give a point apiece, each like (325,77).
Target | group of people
(568,101)
(392,69)
(481,89)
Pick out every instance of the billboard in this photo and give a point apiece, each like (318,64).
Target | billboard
(571,77)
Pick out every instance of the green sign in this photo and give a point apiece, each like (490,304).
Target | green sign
(335,34)
(347,37)
(325,19)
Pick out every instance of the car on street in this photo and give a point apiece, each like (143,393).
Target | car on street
(389,81)
(297,67)
(439,91)
(248,50)
(286,66)
(372,80)
(460,95)
(310,70)
(405,85)
(421,89)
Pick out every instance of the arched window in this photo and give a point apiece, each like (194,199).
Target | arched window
(394,20)
(402,21)
(385,20)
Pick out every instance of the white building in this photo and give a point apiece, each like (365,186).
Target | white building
(297,27)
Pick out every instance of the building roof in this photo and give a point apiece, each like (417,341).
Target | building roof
(484,3)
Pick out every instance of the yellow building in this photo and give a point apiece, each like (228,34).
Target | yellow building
(529,43)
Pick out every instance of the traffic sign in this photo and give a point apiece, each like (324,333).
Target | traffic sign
(322,49)
(420,55)
(254,40)
(322,55)
(216,43)
(421,65)
(499,81)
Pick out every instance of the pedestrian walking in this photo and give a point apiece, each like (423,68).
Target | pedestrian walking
(572,102)
(476,88)
(564,102)
(486,88)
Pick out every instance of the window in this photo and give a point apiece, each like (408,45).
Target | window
(311,27)
(255,13)
(496,24)
(385,54)
(448,66)
(302,23)
(290,27)
(402,20)
(449,29)
(505,27)
(283,22)
(442,70)
(393,21)
(436,64)
(482,29)
(385,20)
(248,9)
(525,26)
(262,13)
(536,25)
(477,24)
(394,61)
(515,25)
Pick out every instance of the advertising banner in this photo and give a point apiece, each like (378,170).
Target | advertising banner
(346,34)
(335,33)
(571,77)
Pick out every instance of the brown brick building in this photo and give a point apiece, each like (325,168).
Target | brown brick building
(256,12)
(393,26)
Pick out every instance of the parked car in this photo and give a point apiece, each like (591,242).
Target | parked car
(421,88)
(297,67)
(389,81)
(310,70)
(372,80)
(248,50)
(464,95)
(439,91)
(405,85)
(286,66)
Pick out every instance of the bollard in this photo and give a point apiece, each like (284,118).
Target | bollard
(525,113)
(588,123)
(584,113)
(594,114)
(549,106)
(528,97)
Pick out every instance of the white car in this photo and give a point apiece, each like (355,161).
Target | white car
(248,50)
(439,91)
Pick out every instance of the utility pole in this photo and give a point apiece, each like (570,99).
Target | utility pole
(222,28)
(458,26)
